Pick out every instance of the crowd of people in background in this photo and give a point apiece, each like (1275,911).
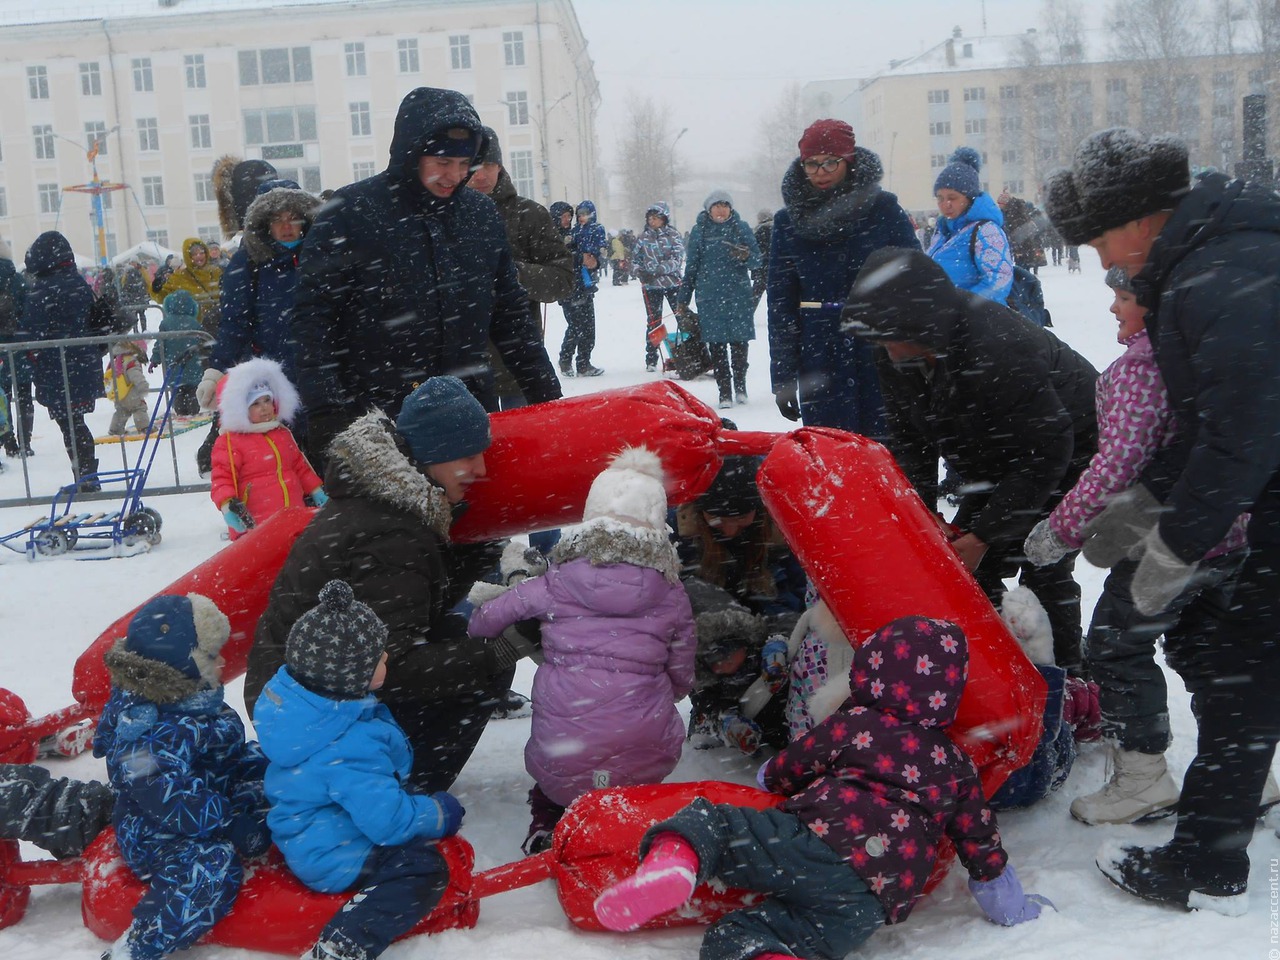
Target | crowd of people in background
(360,343)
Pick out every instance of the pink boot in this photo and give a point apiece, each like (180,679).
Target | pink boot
(665,880)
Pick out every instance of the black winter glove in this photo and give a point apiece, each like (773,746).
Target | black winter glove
(505,651)
(788,402)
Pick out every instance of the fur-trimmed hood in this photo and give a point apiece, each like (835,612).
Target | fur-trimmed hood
(605,541)
(163,683)
(257,221)
(233,395)
(367,459)
(235,182)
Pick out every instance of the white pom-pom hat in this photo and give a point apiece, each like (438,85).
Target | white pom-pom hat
(630,490)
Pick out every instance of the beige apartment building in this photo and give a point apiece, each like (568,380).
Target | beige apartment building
(1025,111)
(164,88)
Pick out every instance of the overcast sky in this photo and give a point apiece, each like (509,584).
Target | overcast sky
(722,64)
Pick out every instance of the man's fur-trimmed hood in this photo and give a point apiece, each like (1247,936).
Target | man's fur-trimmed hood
(367,459)
(605,541)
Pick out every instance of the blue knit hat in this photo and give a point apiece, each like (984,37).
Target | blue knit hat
(442,421)
(171,648)
(961,173)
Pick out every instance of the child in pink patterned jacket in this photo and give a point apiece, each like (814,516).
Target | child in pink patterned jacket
(1134,422)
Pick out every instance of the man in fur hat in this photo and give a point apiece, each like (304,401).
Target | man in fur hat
(407,276)
(1202,260)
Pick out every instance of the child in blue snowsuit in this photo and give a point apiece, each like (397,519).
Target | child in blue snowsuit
(340,812)
(189,797)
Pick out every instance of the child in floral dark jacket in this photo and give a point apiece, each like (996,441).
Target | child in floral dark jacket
(189,796)
(872,790)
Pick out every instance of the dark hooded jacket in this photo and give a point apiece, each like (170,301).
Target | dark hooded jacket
(1213,288)
(819,242)
(399,285)
(385,531)
(543,263)
(57,307)
(1006,403)
(880,781)
(259,286)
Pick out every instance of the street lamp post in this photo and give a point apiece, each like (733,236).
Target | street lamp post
(671,165)
(542,137)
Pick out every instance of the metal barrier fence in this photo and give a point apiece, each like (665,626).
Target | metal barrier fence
(187,482)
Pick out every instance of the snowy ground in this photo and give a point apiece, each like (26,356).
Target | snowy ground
(49,612)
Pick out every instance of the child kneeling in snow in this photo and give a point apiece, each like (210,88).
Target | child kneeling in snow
(189,797)
(258,469)
(618,641)
(870,791)
(340,813)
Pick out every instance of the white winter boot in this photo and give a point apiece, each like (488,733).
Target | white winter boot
(1270,795)
(1140,788)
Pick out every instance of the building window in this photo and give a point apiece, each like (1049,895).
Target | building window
(1015,187)
(38,83)
(275,65)
(4,204)
(307,177)
(95,131)
(513,48)
(201,133)
(408,50)
(518,108)
(976,125)
(148,134)
(975,93)
(194,63)
(1117,85)
(90,80)
(1010,156)
(520,168)
(939,96)
(153,193)
(360,125)
(50,197)
(940,128)
(204,188)
(44,141)
(211,234)
(1009,92)
(160,237)
(280,125)
(1221,110)
(460,52)
(363,169)
(1010,124)
(142,82)
(1118,117)
(355,60)
(938,160)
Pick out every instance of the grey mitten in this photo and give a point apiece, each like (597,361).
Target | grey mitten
(1043,546)
(1160,576)
(1119,528)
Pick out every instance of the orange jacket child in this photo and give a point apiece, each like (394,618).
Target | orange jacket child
(257,466)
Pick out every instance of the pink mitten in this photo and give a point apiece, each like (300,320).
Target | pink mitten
(1081,710)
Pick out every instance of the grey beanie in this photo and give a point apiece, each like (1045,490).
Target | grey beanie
(1116,176)
(1118,279)
(492,150)
(442,421)
(334,648)
(717,196)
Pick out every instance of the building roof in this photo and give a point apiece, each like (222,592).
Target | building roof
(30,12)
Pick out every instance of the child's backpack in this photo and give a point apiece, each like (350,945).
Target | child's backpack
(1026,296)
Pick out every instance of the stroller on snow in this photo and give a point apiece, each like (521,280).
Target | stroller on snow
(684,355)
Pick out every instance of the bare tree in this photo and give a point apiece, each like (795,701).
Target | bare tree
(1156,36)
(648,161)
(779,132)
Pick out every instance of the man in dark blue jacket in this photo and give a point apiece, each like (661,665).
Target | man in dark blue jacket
(406,276)
(1203,261)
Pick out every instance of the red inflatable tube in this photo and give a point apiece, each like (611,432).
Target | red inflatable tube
(273,912)
(875,553)
(597,843)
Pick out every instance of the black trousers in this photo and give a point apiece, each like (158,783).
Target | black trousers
(729,360)
(580,332)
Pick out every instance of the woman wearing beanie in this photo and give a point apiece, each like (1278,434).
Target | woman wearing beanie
(393,489)
(722,253)
(835,214)
(969,242)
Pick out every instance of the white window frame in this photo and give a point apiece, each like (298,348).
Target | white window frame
(201,131)
(460,51)
(143,80)
(407,55)
(90,79)
(38,82)
(513,48)
(361,118)
(153,192)
(357,65)
(148,134)
(193,64)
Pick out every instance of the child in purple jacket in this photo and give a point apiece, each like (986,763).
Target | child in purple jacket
(1134,422)
(618,642)
(871,791)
